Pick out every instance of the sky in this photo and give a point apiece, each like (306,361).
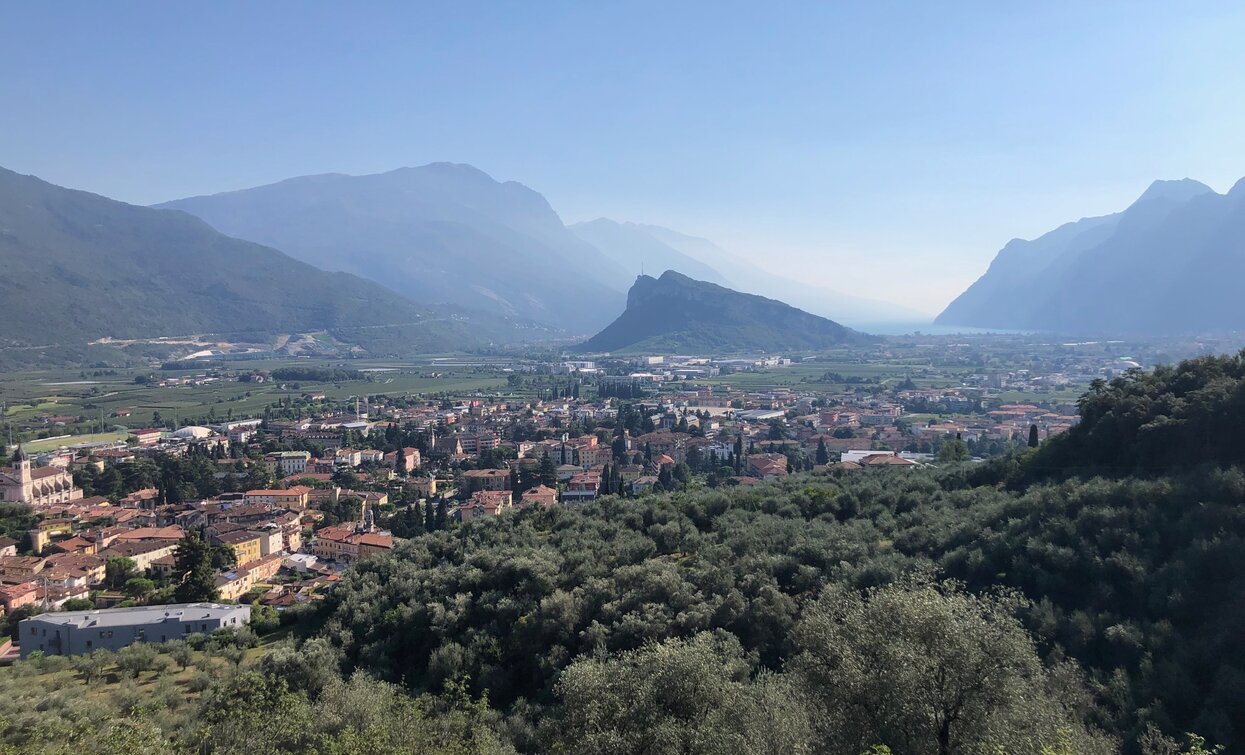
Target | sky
(883,148)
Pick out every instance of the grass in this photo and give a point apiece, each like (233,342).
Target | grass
(51,444)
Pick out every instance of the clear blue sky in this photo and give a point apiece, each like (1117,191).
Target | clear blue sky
(889,148)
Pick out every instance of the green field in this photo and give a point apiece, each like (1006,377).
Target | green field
(100,396)
(806,376)
(51,444)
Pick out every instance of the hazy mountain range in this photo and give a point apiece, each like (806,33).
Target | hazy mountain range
(450,233)
(675,314)
(79,267)
(1170,263)
(439,233)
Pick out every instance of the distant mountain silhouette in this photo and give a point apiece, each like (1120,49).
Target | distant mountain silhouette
(677,314)
(1171,263)
(438,233)
(743,274)
(632,247)
(76,267)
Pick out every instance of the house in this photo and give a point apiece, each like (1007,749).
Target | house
(13,597)
(486,479)
(541,495)
(8,546)
(408,459)
(353,541)
(142,553)
(246,545)
(585,486)
(289,462)
(148,436)
(486,503)
(295,498)
(766,466)
(78,632)
(886,460)
(20,568)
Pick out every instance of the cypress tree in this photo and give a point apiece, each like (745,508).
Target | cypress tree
(196,579)
(1033,436)
(823,453)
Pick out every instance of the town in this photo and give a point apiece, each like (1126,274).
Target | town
(286,499)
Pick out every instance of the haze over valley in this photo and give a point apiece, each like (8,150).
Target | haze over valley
(622,378)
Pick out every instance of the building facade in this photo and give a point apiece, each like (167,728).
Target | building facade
(78,632)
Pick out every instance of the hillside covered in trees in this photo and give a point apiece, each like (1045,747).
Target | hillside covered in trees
(1082,597)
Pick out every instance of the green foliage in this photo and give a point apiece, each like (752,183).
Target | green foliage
(1155,422)
(678,696)
(194,574)
(927,668)
(317,374)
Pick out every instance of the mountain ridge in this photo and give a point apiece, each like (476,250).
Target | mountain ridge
(82,267)
(1163,265)
(442,232)
(678,314)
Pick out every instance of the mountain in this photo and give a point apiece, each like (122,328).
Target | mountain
(438,233)
(632,247)
(748,276)
(79,267)
(676,314)
(1168,264)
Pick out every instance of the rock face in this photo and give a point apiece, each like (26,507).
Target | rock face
(676,314)
(1171,263)
(441,233)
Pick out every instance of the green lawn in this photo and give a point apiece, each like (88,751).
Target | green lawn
(51,444)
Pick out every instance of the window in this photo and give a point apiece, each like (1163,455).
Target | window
(88,644)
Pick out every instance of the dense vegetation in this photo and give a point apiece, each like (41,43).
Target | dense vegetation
(1067,599)
(1136,578)
(317,374)
(217,695)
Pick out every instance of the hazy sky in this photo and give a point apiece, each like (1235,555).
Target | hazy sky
(886,148)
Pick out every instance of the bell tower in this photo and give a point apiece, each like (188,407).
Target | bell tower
(21,465)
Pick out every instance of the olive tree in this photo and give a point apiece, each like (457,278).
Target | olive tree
(924,667)
(678,696)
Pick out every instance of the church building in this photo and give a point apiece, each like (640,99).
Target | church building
(42,486)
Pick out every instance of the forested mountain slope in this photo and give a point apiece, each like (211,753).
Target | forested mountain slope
(675,314)
(78,267)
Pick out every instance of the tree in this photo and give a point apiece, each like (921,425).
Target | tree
(823,453)
(139,587)
(193,574)
(118,570)
(953,451)
(137,658)
(1033,436)
(924,667)
(685,696)
(430,517)
(92,665)
(546,472)
(181,653)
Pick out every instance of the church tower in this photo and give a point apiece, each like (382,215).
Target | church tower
(21,466)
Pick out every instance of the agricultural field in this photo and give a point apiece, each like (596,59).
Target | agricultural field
(108,400)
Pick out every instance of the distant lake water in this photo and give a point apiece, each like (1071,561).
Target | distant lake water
(926,327)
